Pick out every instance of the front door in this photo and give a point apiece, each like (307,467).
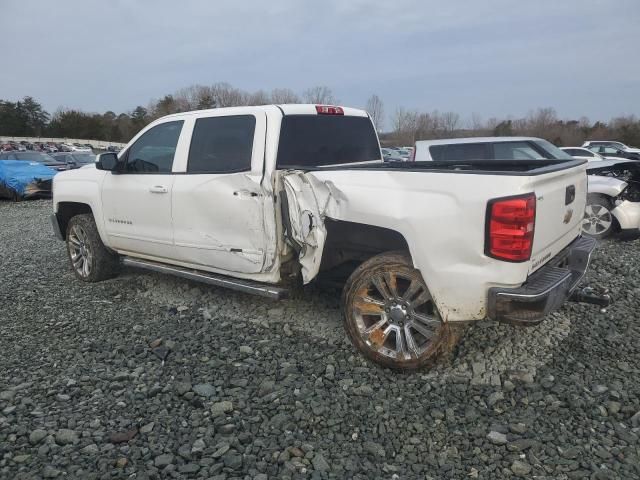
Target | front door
(222,216)
(137,199)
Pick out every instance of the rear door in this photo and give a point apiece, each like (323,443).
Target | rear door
(222,217)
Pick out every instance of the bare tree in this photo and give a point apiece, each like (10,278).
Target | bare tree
(284,95)
(376,110)
(321,95)
(227,96)
(449,122)
(258,98)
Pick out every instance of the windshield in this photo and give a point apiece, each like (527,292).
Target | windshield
(553,150)
(322,140)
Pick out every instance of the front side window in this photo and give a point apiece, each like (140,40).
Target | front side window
(222,144)
(153,152)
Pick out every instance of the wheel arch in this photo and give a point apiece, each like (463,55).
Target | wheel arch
(351,241)
(67,210)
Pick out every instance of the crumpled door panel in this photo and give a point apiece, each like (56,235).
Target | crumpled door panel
(307,198)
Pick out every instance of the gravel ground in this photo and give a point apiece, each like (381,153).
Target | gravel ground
(252,389)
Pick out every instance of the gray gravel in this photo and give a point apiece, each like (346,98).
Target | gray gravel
(252,389)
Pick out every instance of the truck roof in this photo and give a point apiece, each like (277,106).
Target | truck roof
(285,109)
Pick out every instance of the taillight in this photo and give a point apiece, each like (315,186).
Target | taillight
(510,227)
(329,110)
(413,154)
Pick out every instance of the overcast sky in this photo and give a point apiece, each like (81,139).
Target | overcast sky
(492,57)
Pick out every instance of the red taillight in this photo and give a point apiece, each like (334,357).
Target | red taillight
(413,154)
(510,226)
(329,110)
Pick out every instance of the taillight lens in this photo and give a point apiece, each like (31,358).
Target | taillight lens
(329,110)
(510,227)
(413,154)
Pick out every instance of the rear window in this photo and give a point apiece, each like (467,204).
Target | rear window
(322,140)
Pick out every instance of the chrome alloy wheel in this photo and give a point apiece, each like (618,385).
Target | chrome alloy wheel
(597,219)
(395,315)
(80,251)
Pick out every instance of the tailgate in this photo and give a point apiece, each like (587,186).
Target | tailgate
(560,202)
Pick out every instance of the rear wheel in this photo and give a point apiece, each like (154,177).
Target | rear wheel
(89,258)
(390,316)
(598,220)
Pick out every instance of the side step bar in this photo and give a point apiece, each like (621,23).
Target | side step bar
(246,286)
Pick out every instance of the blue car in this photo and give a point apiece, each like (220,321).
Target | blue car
(20,180)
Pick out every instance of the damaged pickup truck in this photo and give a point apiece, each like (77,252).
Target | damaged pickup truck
(260,198)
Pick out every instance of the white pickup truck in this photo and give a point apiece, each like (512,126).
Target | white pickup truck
(255,198)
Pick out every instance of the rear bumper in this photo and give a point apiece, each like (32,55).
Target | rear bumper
(545,290)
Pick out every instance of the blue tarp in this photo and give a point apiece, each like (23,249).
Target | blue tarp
(16,175)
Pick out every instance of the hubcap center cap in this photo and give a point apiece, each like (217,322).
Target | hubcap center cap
(398,313)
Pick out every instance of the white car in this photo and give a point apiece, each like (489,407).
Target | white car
(613,202)
(255,198)
(610,143)
(586,154)
(77,148)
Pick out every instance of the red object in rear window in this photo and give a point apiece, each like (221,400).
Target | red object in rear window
(329,110)
(510,227)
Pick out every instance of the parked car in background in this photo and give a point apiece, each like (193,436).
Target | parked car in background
(610,143)
(586,154)
(613,201)
(391,155)
(612,151)
(38,157)
(20,180)
(75,159)
(487,148)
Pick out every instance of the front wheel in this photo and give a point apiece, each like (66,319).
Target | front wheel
(390,315)
(90,259)
(598,220)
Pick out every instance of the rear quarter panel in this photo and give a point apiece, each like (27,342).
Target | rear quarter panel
(442,217)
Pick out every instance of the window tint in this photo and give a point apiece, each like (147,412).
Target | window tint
(222,144)
(322,140)
(584,153)
(461,151)
(153,152)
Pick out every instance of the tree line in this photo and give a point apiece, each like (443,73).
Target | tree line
(27,117)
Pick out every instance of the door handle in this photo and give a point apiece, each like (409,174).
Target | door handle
(245,194)
(158,189)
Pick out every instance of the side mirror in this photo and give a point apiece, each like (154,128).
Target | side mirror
(107,161)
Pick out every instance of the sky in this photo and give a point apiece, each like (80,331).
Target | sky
(494,58)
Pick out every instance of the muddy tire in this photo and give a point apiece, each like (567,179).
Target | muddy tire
(598,220)
(390,317)
(89,258)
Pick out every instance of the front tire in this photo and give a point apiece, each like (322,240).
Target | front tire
(390,315)
(598,220)
(90,260)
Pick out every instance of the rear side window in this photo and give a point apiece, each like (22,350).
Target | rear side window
(461,151)
(222,144)
(153,152)
(323,140)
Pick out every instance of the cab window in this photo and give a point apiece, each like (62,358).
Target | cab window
(153,152)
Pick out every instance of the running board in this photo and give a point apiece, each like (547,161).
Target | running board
(246,286)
